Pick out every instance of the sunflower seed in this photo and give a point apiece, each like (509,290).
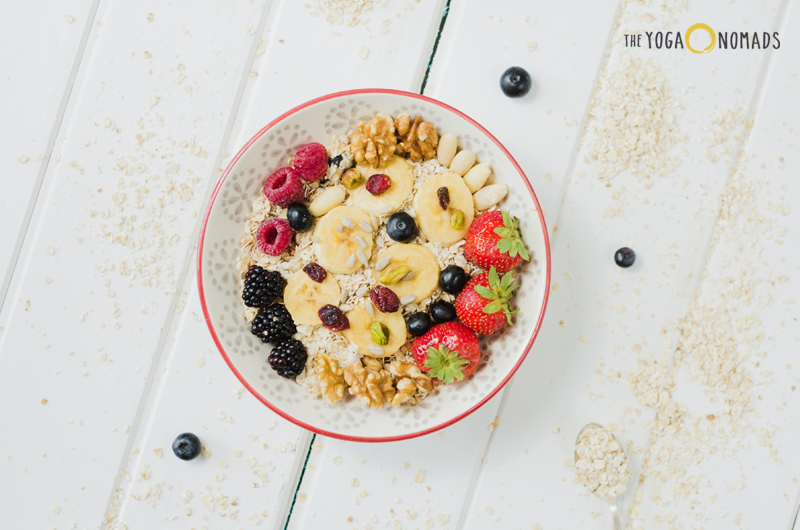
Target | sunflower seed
(382,263)
(409,276)
(351,261)
(362,291)
(375,350)
(407,299)
(314,239)
(339,228)
(346,307)
(370,309)
(365,226)
(385,210)
(347,222)
(343,296)
(361,243)
(361,256)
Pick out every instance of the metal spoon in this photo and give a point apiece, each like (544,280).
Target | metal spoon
(612,501)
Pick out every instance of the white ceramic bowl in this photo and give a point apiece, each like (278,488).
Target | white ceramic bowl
(218,281)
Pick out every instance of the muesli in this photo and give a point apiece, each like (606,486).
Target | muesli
(371,265)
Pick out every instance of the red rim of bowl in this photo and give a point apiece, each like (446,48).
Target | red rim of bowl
(219,344)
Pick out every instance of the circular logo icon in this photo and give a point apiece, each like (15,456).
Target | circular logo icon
(710,31)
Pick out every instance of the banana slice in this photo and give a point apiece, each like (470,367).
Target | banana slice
(360,334)
(303,297)
(420,261)
(389,201)
(435,222)
(344,246)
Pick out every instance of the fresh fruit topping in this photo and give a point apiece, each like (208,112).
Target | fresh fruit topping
(419,324)
(444,197)
(422,273)
(448,352)
(333,318)
(262,287)
(315,272)
(434,222)
(187,446)
(442,312)
(360,332)
(274,236)
(484,304)
(342,245)
(453,279)
(457,220)
(493,240)
(352,178)
(283,187)
(384,299)
(299,217)
(311,161)
(401,227)
(335,161)
(624,257)
(273,324)
(515,82)
(394,273)
(288,358)
(388,201)
(378,183)
(303,296)
(380,333)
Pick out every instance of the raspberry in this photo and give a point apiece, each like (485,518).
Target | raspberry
(283,187)
(311,162)
(274,236)
(315,272)
(378,183)
(333,318)
(288,358)
(384,299)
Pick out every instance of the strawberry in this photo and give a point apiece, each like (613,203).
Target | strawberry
(483,305)
(448,352)
(494,241)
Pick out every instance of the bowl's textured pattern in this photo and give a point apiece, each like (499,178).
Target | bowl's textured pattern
(225,227)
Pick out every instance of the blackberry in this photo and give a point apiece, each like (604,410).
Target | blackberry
(273,324)
(288,358)
(262,287)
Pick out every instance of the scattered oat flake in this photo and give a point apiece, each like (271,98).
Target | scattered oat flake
(70,19)
(363,52)
(530,45)
(22,159)
(584,338)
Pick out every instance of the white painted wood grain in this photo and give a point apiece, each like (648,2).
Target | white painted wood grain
(279,83)
(60,340)
(41,39)
(562,386)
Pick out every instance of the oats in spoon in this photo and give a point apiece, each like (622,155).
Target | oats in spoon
(601,464)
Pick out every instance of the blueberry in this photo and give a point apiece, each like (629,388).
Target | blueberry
(299,217)
(418,324)
(625,257)
(515,82)
(442,311)
(401,227)
(335,161)
(453,279)
(186,446)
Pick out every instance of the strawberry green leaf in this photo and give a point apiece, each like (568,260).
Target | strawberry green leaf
(492,307)
(494,279)
(445,364)
(510,241)
(485,292)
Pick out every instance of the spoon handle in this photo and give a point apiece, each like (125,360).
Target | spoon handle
(612,504)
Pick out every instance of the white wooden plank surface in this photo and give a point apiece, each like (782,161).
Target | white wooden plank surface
(61,338)
(278,85)
(42,40)
(616,309)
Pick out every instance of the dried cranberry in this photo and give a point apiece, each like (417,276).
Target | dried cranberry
(333,318)
(444,197)
(315,272)
(378,183)
(384,299)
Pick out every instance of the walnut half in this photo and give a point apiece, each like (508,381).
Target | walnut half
(411,381)
(375,142)
(418,139)
(370,383)
(331,378)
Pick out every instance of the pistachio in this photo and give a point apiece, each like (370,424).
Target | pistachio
(477,176)
(380,333)
(457,220)
(447,149)
(462,162)
(394,274)
(327,201)
(487,197)
(352,178)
